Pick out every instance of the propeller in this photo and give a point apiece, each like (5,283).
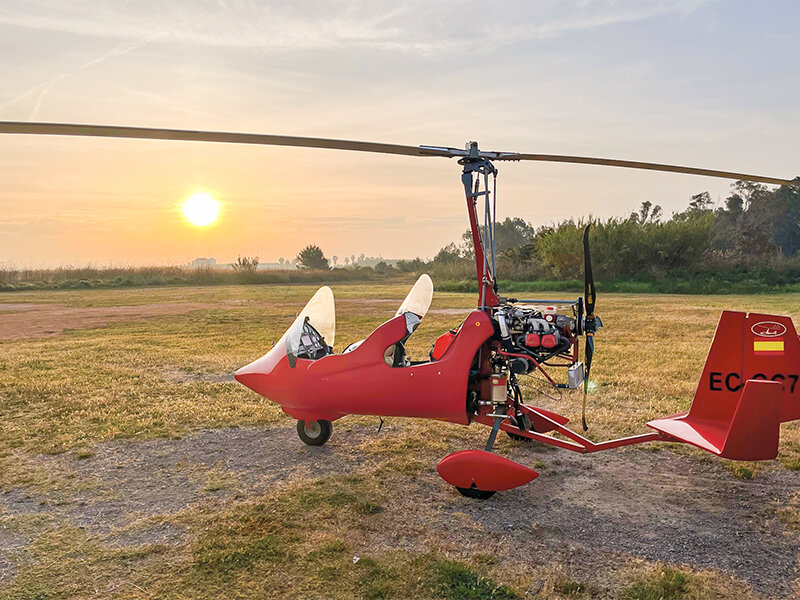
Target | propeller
(591,323)
(471,151)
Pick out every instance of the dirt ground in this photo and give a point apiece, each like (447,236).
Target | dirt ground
(27,319)
(39,320)
(585,512)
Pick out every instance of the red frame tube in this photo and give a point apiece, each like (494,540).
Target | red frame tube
(486,294)
(579,443)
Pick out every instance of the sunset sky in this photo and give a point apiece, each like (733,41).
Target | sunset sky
(709,84)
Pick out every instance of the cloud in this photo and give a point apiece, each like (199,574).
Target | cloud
(410,26)
(585,17)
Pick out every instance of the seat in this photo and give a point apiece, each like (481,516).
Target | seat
(414,307)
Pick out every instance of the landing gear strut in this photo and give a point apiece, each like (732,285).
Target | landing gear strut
(314,433)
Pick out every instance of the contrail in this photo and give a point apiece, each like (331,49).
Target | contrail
(44,87)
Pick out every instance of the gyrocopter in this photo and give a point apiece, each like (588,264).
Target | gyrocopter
(748,387)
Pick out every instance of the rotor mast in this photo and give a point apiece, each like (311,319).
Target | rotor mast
(476,173)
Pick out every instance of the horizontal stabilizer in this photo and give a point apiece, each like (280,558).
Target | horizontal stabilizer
(752,433)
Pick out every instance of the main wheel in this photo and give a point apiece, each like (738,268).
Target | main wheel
(474,492)
(526,423)
(314,433)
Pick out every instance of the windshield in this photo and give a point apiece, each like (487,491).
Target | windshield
(313,331)
(419,298)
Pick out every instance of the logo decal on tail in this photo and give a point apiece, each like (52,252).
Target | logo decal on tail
(768,329)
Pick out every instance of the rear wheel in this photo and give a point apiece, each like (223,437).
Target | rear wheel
(314,433)
(474,492)
(525,422)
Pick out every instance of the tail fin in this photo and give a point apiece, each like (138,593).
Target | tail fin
(748,388)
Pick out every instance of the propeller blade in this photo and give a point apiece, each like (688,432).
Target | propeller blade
(589,297)
(589,354)
(149,133)
(635,164)
(73,129)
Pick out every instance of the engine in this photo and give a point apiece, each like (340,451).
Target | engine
(539,333)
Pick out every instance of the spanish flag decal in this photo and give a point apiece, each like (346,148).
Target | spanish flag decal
(766,348)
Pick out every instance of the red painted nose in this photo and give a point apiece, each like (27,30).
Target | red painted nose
(247,378)
(259,375)
(255,375)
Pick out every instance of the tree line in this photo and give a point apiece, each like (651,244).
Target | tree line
(751,239)
(750,242)
(755,229)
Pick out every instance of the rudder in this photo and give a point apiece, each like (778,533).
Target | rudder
(754,346)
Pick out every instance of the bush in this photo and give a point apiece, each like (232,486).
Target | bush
(93,277)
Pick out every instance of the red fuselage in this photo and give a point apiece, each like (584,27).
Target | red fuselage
(360,382)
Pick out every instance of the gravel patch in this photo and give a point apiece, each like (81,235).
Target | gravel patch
(656,505)
(135,481)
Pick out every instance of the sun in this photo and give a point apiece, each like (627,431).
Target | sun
(201,209)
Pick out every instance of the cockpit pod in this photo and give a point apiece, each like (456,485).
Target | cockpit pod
(311,335)
(313,331)
(371,377)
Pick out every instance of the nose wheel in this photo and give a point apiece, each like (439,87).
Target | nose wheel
(474,492)
(314,433)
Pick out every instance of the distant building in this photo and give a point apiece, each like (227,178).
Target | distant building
(366,261)
(200,263)
(285,265)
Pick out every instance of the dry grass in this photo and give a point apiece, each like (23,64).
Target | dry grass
(89,385)
(294,544)
(67,393)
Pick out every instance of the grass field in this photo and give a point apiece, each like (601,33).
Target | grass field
(77,404)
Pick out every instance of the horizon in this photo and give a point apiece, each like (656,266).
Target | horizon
(692,82)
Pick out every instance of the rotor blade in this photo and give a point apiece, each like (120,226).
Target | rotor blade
(73,129)
(634,164)
(149,133)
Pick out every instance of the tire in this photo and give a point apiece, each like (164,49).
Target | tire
(475,493)
(526,423)
(314,433)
